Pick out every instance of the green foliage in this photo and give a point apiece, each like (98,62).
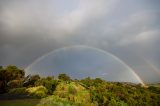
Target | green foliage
(8,74)
(21,90)
(72,90)
(121,94)
(86,92)
(31,81)
(48,82)
(55,101)
(15,83)
(64,77)
(154,89)
(37,92)
(113,102)
(50,85)
(11,73)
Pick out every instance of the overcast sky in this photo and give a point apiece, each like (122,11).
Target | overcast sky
(129,29)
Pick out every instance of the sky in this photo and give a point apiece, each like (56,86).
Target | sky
(128,29)
(80,62)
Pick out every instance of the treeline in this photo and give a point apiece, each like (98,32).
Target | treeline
(85,92)
(13,77)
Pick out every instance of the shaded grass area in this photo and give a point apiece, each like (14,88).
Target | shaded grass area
(20,102)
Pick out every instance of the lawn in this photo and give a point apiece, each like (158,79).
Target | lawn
(19,102)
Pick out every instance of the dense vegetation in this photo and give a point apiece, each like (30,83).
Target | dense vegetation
(65,91)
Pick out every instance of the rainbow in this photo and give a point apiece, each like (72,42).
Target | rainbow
(102,51)
(153,67)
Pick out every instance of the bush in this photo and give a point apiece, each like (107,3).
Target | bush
(37,92)
(55,101)
(51,85)
(64,77)
(30,80)
(72,90)
(48,82)
(113,102)
(154,89)
(18,91)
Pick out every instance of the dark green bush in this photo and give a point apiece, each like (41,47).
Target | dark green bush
(18,91)
(48,82)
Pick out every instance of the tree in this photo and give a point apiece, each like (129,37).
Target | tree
(64,77)
(87,82)
(31,79)
(8,74)
(11,73)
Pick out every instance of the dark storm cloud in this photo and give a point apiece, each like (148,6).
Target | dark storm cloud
(25,31)
(29,29)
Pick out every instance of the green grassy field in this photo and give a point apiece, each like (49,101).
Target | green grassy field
(21,102)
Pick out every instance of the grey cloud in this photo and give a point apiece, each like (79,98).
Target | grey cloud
(29,29)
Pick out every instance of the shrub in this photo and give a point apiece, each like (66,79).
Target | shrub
(64,77)
(37,92)
(48,82)
(154,89)
(72,90)
(50,85)
(18,91)
(30,80)
(55,101)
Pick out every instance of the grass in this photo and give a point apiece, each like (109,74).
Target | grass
(19,102)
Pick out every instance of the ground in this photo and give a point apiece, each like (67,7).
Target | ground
(20,102)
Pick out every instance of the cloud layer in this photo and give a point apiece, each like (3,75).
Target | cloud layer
(128,29)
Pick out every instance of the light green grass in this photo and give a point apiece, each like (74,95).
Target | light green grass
(23,102)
